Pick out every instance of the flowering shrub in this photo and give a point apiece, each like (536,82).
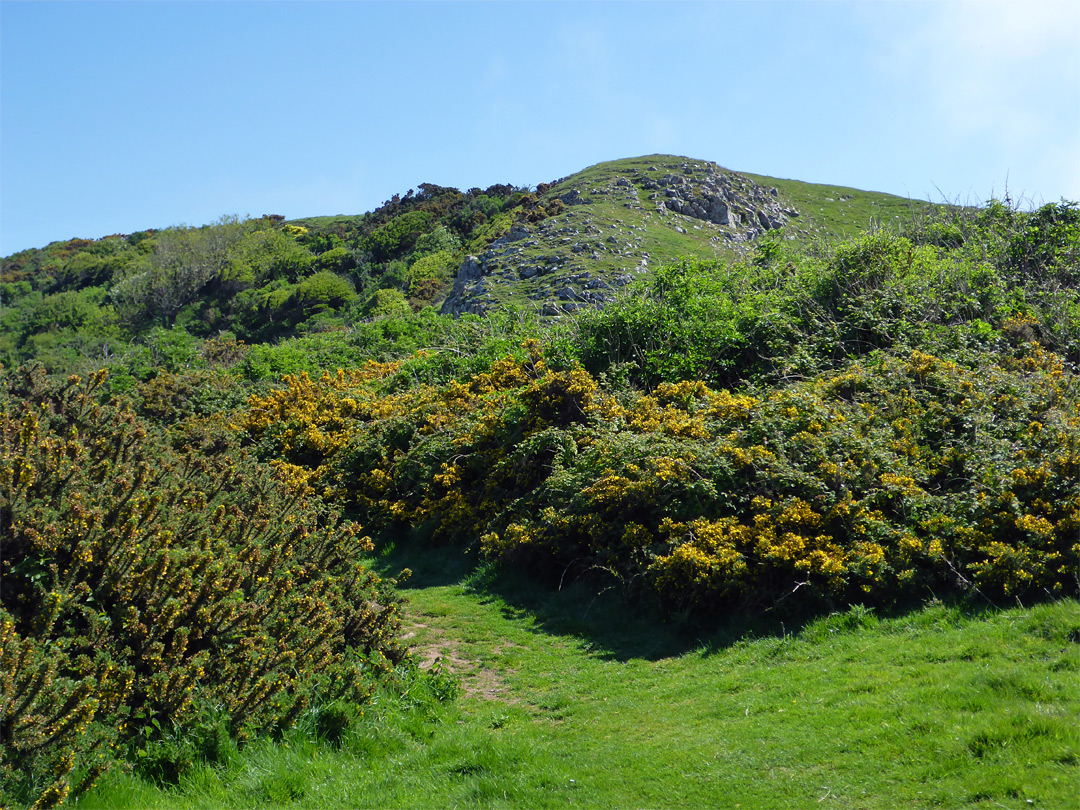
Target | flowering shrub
(891,417)
(149,577)
(898,473)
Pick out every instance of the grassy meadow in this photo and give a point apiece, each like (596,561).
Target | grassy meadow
(568,700)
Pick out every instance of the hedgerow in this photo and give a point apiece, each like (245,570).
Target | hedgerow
(900,475)
(161,586)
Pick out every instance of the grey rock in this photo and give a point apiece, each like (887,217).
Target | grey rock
(567,294)
(470,269)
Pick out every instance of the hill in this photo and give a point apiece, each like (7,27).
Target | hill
(553,249)
(773,420)
(601,227)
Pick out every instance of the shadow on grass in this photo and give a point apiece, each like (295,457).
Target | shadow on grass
(428,567)
(614,626)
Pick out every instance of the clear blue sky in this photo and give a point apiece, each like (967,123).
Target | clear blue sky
(116,117)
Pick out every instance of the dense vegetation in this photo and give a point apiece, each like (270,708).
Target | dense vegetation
(889,421)
(124,300)
(877,422)
(158,584)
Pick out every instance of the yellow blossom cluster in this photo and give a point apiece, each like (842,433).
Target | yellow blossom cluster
(141,579)
(866,481)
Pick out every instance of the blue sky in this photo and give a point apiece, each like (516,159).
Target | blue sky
(116,117)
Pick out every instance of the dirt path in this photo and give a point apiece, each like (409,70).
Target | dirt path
(435,636)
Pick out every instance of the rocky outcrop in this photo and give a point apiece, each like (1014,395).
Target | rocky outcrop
(706,192)
(614,218)
(468,295)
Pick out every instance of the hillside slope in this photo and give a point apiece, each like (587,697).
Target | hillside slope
(549,250)
(871,423)
(618,219)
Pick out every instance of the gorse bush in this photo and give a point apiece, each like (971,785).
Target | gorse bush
(893,418)
(889,419)
(901,475)
(154,580)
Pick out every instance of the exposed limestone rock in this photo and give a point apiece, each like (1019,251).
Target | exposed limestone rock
(580,257)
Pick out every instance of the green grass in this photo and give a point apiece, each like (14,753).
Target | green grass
(832,212)
(827,213)
(346,220)
(570,700)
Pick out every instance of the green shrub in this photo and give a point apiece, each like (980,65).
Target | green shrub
(148,576)
(397,236)
(323,291)
(388,303)
(897,475)
(335,260)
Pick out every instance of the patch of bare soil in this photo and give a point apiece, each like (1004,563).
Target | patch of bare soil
(429,644)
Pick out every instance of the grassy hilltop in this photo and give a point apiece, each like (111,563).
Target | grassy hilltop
(756,492)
